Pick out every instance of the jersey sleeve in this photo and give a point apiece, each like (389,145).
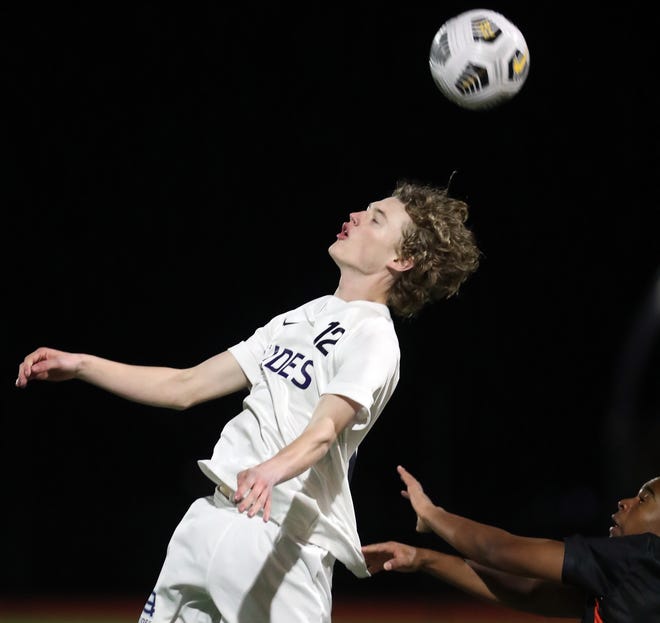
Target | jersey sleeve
(250,352)
(366,367)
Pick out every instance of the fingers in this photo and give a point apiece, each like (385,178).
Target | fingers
(389,556)
(255,490)
(253,499)
(378,557)
(406,476)
(245,497)
(413,486)
(253,503)
(25,368)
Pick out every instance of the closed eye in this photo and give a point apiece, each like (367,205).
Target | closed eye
(377,215)
(646,494)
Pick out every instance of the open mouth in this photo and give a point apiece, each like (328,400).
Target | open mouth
(615,528)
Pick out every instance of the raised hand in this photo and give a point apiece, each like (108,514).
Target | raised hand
(418,499)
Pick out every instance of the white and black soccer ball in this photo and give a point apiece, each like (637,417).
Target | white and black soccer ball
(479,59)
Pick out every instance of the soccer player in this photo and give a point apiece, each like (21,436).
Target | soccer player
(263,546)
(600,579)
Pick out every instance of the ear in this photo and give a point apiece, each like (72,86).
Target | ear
(400,264)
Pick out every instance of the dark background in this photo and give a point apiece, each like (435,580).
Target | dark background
(175,175)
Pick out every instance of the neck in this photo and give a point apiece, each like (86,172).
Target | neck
(357,287)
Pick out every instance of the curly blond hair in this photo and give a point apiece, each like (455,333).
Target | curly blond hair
(441,246)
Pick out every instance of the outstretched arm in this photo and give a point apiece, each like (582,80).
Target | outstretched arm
(493,547)
(254,489)
(521,593)
(156,386)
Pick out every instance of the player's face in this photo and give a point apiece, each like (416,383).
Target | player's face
(368,242)
(639,514)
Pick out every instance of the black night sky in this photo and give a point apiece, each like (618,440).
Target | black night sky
(175,175)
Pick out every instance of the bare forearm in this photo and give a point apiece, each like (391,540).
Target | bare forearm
(155,386)
(496,548)
(455,571)
(331,416)
(160,386)
(476,541)
(485,583)
(513,591)
(255,484)
(304,452)
(550,599)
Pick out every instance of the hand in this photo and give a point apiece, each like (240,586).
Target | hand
(390,556)
(415,494)
(47,364)
(254,490)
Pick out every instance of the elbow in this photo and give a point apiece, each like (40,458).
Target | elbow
(183,402)
(324,445)
(177,401)
(324,442)
(181,392)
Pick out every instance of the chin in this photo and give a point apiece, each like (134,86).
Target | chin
(333,251)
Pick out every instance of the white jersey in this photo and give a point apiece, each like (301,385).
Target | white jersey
(326,346)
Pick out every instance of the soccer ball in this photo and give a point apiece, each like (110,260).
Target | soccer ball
(479,59)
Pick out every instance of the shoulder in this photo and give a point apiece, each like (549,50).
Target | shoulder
(300,312)
(622,572)
(645,545)
(368,314)
(371,324)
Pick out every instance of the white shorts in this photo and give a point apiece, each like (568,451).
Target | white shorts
(225,567)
